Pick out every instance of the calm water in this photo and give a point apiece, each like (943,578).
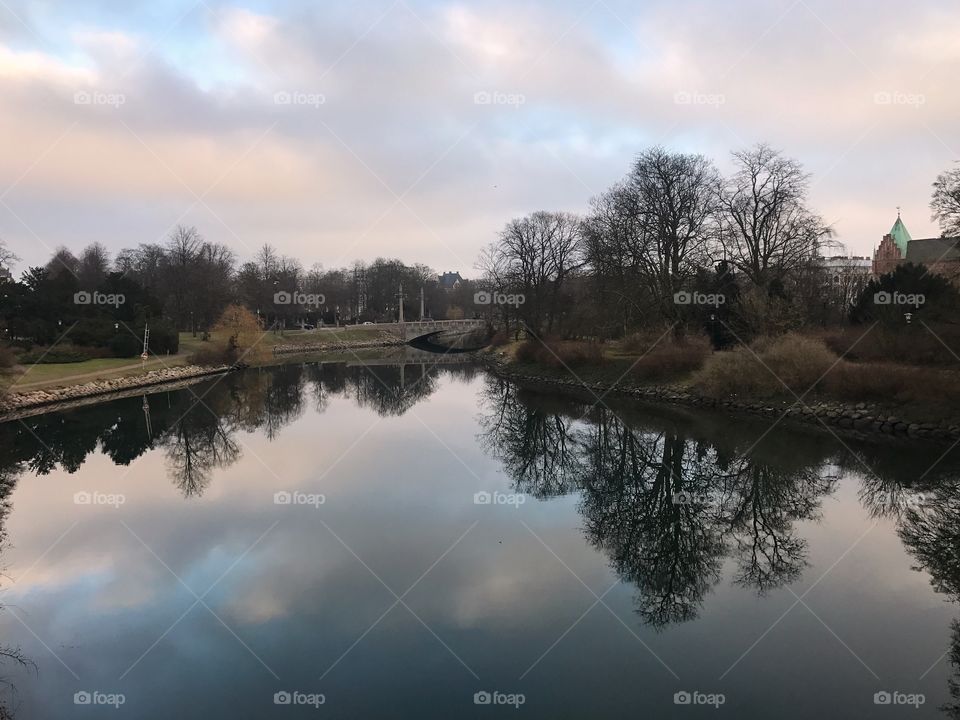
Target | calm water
(151,559)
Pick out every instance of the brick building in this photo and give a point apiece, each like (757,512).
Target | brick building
(941,255)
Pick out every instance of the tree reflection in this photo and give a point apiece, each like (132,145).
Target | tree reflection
(667,509)
(197,427)
(195,445)
(8,655)
(535,444)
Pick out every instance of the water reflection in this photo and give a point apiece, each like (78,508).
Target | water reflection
(668,506)
(667,509)
(198,427)
(674,501)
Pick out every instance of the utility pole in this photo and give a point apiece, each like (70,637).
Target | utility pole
(400,300)
(421,302)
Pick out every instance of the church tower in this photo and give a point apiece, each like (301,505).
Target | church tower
(892,249)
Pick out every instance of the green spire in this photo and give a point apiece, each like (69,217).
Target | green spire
(900,235)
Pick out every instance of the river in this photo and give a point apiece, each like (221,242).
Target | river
(348,541)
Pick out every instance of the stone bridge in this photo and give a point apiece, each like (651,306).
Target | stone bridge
(419,328)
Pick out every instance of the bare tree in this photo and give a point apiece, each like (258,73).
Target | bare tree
(63,261)
(540,251)
(676,206)
(183,249)
(7,257)
(93,266)
(767,230)
(945,202)
(615,245)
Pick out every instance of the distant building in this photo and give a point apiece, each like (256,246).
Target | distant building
(940,255)
(838,266)
(450,280)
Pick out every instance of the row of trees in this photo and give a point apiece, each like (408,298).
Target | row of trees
(674,225)
(194,279)
(185,284)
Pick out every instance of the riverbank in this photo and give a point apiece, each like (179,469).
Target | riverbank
(863,419)
(25,404)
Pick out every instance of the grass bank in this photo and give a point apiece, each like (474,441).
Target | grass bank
(815,367)
(46,376)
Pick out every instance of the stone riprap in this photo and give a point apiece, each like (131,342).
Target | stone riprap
(16,404)
(859,419)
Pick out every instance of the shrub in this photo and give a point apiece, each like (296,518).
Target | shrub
(798,361)
(892,383)
(733,372)
(917,345)
(63,353)
(762,370)
(7,358)
(213,354)
(125,345)
(671,357)
(164,339)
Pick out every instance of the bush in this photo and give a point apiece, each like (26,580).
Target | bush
(799,361)
(213,354)
(64,353)
(7,358)
(732,372)
(915,344)
(889,382)
(762,370)
(164,339)
(125,345)
(671,357)
(560,353)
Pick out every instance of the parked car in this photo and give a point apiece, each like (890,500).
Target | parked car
(368,323)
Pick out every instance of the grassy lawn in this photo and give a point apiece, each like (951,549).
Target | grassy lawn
(39,377)
(44,376)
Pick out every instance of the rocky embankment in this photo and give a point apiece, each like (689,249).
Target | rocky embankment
(859,419)
(17,405)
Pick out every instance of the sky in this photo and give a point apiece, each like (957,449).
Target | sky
(418,128)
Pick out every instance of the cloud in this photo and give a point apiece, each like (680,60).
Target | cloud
(384,150)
